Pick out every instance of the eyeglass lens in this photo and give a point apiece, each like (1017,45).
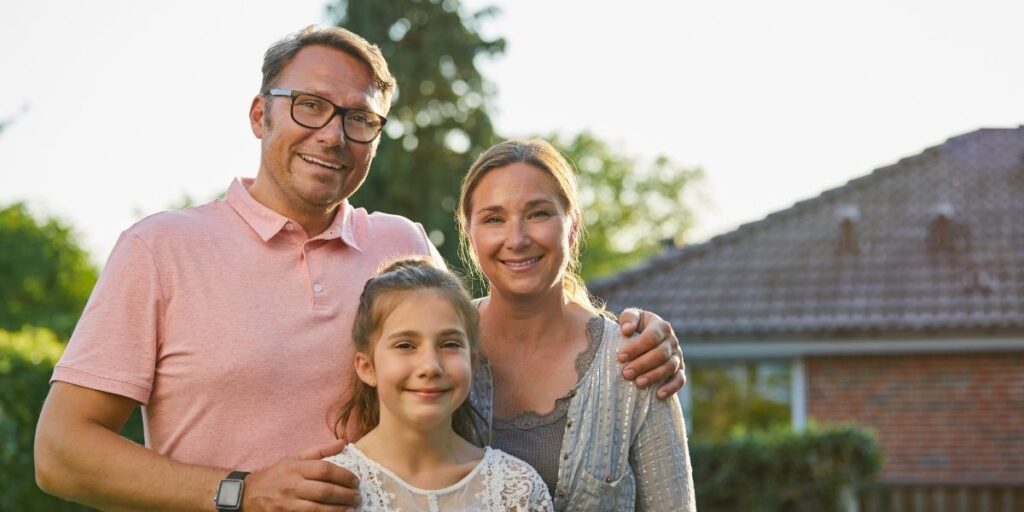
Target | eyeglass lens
(315,112)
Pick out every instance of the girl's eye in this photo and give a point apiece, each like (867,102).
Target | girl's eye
(456,344)
(540,213)
(404,345)
(492,220)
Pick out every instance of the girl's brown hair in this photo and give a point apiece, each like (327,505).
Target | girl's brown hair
(408,274)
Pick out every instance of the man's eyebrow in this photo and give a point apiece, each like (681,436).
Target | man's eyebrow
(361,105)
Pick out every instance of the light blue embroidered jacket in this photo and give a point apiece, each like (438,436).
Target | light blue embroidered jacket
(623,449)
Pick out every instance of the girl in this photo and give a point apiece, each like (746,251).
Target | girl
(416,338)
(598,442)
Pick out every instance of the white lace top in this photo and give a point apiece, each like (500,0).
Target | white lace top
(499,483)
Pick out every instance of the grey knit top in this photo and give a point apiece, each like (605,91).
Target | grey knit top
(533,437)
(622,449)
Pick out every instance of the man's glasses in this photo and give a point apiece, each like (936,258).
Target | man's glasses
(312,111)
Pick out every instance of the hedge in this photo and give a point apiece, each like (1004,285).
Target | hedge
(26,362)
(783,470)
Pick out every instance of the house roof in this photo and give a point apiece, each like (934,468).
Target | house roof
(932,243)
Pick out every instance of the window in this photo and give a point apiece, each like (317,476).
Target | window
(737,395)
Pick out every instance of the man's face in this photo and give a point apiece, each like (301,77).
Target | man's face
(309,171)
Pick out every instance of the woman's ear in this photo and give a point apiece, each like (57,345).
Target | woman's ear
(364,370)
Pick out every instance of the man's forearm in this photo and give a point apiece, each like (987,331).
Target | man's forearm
(83,459)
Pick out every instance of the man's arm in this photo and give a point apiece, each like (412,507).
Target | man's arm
(80,456)
(654,356)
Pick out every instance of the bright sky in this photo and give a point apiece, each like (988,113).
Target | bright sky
(133,104)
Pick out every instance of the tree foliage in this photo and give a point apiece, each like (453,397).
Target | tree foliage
(45,276)
(630,209)
(26,362)
(439,121)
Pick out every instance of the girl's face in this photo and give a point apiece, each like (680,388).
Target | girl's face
(519,230)
(421,363)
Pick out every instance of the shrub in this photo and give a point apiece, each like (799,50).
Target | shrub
(27,359)
(783,470)
(45,275)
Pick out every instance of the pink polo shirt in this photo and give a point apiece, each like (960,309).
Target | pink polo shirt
(230,327)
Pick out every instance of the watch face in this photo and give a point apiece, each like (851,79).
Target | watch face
(230,493)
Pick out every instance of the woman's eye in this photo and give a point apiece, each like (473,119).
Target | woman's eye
(492,220)
(456,344)
(404,345)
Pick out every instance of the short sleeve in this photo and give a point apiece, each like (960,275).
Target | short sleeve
(345,460)
(114,346)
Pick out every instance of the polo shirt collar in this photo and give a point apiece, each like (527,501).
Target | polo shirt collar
(267,223)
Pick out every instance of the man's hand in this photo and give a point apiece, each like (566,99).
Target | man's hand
(654,356)
(303,482)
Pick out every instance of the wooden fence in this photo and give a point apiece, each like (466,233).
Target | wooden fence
(887,497)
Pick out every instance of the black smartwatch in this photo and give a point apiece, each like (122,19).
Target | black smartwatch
(229,494)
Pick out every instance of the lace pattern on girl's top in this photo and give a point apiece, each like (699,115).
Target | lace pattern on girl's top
(499,483)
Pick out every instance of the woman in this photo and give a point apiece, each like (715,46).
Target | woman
(598,442)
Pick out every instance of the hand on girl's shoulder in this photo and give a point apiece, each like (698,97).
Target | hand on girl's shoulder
(346,459)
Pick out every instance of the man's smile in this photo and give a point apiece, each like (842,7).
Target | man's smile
(317,161)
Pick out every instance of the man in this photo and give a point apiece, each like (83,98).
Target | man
(230,322)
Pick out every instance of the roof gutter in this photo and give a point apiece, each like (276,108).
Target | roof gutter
(701,351)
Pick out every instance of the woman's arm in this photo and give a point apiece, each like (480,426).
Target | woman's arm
(660,459)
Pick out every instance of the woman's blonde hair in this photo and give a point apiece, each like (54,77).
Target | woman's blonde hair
(408,274)
(542,155)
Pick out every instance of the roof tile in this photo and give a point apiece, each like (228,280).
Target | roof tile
(935,241)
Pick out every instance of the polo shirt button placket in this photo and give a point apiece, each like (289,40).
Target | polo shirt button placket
(318,294)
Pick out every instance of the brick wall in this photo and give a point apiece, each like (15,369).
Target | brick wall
(939,418)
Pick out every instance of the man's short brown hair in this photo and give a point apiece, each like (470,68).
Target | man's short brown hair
(282,52)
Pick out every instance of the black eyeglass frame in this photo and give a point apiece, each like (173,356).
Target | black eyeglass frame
(343,111)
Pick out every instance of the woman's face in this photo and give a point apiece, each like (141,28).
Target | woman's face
(519,231)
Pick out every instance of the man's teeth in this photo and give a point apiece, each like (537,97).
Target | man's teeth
(317,161)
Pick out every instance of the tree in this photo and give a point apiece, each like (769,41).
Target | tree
(440,122)
(45,276)
(440,119)
(630,210)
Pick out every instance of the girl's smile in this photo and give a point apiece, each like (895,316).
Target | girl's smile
(421,363)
